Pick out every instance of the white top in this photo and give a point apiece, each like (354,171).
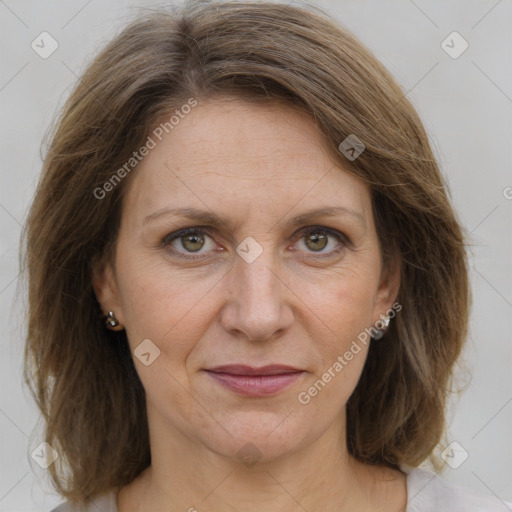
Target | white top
(426,492)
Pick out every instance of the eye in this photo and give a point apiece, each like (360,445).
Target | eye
(322,241)
(318,240)
(188,242)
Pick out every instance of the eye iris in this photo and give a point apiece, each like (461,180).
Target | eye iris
(197,242)
(316,238)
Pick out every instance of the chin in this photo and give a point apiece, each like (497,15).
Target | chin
(258,437)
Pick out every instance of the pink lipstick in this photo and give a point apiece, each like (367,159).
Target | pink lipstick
(250,381)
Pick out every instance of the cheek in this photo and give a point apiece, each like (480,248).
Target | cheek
(341,311)
(344,311)
(343,299)
(162,305)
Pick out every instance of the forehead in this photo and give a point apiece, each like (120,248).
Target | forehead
(233,132)
(238,154)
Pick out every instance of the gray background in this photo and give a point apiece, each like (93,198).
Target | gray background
(466,107)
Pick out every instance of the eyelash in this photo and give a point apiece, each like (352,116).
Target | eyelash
(343,240)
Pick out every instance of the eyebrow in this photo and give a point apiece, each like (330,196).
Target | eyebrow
(210,218)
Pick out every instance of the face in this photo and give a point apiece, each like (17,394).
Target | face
(224,266)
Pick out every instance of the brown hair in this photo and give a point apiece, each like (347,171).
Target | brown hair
(83,376)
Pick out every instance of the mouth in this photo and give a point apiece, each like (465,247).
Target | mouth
(250,381)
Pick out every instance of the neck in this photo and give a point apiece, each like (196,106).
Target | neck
(186,475)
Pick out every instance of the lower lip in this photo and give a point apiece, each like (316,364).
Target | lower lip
(256,385)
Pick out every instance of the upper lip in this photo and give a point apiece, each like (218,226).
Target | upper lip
(242,369)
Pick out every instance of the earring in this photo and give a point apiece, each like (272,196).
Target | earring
(382,330)
(111,322)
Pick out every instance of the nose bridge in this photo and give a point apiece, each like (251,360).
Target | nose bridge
(257,304)
(257,278)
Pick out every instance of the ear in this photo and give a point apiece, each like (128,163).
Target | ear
(387,292)
(105,288)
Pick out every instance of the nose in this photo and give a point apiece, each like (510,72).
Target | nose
(258,303)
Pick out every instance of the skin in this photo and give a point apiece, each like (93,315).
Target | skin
(257,166)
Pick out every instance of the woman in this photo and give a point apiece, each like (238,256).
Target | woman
(247,287)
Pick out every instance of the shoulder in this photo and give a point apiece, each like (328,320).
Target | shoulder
(104,502)
(427,491)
